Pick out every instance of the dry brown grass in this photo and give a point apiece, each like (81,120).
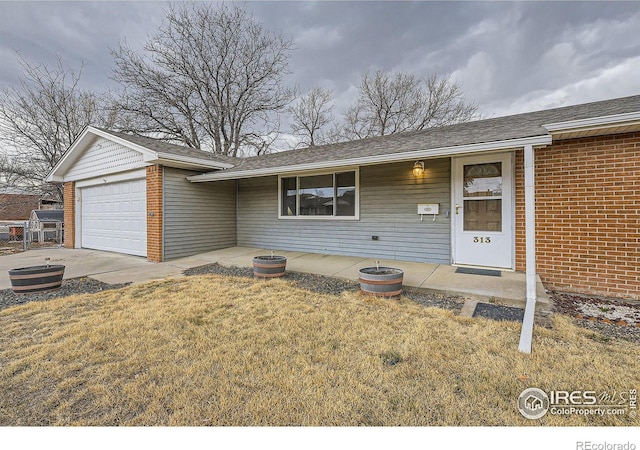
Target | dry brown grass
(212,350)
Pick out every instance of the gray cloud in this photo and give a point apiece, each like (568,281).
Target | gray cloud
(510,57)
(76,31)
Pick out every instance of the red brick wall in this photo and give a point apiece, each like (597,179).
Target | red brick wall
(587,215)
(18,206)
(154,213)
(69,202)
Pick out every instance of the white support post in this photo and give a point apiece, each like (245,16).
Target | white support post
(526,334)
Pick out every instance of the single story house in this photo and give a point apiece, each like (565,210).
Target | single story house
(554,193)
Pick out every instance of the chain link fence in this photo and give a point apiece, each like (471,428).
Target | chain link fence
(20,236)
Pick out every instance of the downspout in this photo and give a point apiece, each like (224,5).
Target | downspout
(237,207)
(526,335)
(163,212)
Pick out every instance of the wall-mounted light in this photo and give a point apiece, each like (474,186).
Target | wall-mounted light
(418,168)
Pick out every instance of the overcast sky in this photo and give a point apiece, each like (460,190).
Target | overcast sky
(509,57)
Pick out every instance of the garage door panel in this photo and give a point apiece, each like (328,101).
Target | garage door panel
(114,217)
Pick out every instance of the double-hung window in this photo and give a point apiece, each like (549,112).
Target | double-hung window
(326,195)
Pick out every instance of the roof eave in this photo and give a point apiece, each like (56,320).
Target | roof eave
(185,162)
(594,126)
(511,144)
(53,175)
(70,156)
(148,156)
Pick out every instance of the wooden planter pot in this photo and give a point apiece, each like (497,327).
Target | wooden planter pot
(29,280)
(269,266)
(381,281)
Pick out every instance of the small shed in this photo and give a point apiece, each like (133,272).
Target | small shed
(46,224)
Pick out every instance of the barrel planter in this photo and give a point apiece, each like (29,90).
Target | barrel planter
(30,280)
(269,266)
(381,281)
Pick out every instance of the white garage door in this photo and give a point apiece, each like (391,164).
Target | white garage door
(114,217)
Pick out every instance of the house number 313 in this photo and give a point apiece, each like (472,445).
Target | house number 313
(481,240)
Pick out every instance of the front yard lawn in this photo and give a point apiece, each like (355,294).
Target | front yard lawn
(215,350)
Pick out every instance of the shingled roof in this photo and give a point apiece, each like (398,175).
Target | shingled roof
(168,148)
(396,146)
(481,131)
(48,214)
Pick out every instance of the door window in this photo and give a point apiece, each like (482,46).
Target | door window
(482,195)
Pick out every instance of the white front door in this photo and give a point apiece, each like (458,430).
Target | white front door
(482,214)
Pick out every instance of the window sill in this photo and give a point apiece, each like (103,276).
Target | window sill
(329,218)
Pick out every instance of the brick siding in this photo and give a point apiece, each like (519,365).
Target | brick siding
(154,213)
(69,202)
(587,215)
(18,206)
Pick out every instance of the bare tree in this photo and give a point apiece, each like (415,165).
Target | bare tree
(393,103)
(40,119)
(210,78)
(311,114)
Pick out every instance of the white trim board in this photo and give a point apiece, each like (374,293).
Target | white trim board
(114,178)
(88,136)
(594,122)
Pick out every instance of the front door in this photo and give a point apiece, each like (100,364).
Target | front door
(483,211)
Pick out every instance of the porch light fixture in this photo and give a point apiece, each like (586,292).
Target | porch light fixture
(418,168)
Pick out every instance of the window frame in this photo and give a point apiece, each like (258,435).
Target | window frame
(333,173)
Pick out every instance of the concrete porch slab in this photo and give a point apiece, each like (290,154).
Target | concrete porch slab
(115,268)
(214,256)
(509,288)
(246,259)
(328,265)
(414,273)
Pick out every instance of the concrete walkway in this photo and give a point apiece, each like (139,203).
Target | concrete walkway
(509,288)
(117,268)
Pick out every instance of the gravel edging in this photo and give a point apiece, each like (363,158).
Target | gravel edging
(606,331)
(315,283)
(330,285)
(72,286)
(563,303)
(499,312)
(610,318)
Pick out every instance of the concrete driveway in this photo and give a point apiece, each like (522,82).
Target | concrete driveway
(117,268)
(103,266)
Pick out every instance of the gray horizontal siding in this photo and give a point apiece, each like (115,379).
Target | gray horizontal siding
(389,195)
(198,217)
